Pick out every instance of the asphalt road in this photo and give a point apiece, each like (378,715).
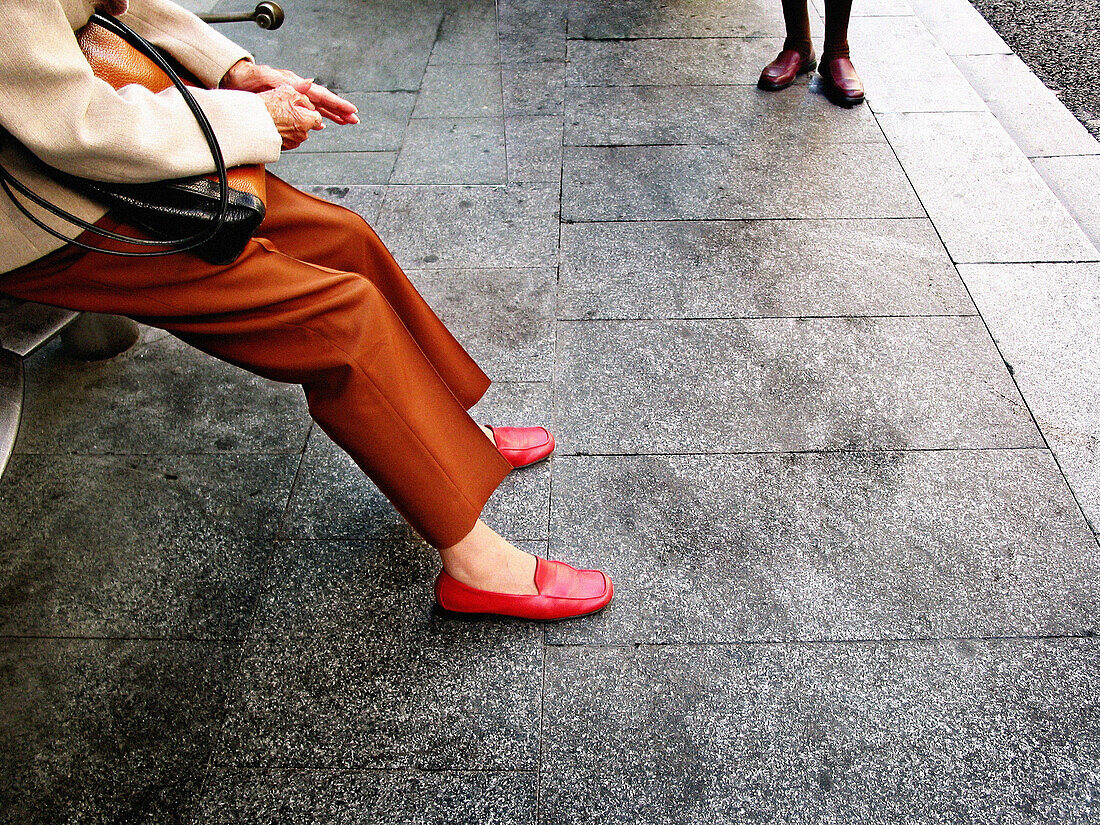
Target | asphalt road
(1060,41)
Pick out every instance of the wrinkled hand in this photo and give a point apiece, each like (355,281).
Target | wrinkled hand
(293,114)
(247,76)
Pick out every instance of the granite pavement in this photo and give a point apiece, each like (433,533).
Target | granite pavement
(825,384)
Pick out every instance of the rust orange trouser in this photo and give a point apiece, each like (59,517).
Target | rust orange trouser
(316,299)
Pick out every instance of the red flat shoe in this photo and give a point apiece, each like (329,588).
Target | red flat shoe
(564,592)
(523,446)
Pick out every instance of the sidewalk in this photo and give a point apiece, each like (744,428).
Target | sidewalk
(826,386)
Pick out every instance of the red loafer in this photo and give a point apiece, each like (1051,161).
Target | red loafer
(523,446)
(564,592)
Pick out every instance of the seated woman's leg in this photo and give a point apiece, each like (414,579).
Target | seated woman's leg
(314,230)
(368,383)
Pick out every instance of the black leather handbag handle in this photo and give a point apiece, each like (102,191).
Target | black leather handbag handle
(8,182)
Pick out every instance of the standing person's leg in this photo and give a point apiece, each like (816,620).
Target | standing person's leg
(841,83)
(797,56)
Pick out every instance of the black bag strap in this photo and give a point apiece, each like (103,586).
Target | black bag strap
(8,182)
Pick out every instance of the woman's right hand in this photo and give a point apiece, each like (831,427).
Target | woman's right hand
(293,113)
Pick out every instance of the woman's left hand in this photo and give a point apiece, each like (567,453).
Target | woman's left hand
(247,76)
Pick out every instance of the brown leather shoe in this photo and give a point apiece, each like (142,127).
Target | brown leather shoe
(781,72)
(840,82)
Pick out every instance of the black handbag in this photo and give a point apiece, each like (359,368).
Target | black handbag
(205,216)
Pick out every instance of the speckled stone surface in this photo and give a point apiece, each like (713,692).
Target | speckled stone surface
(1046,320)
(443,227)
(430,693)
(628,115)
(652,183)
(330,168)
(533,88)
(669,62)
(452,151)
(925,80)
(534,148)
(987,202)
(531,31)
(136,546)
(347,46)
(460,91)
(365,200)
(684,269)
(503,317)
(467,35)
(121,406)
(784,384)
(853,582)
(818,546)
(595,20)
(947,732)
(97,731)
(323,796)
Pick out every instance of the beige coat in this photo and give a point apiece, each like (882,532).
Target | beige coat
(52,105)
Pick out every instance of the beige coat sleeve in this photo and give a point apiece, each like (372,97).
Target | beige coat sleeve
(52,103)
(202,50)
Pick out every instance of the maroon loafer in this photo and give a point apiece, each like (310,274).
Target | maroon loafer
(781,72)
(840,83)
(523,446)
(564,593)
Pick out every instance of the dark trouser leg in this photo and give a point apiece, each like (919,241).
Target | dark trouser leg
(796,16)
(837,14)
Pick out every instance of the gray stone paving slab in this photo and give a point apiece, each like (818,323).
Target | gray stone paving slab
(364,200)
(333,168)
(958,27)
(349,47)
(359,590)
(106,731)
(162,399)
(460,91)
(430,694)
(987,201)
(873,8)
(1076,182)
(706,549)
(735,115)
(383,117)
(1046,321)
(468,34)
(669,62)
(948,732)
(503,317)
(453,151)
(313,797)
(531,31)
(783,384)
(444,227)
(905,70)
(1031,113)
(719,182)
(166,546)
(534,149)
(533,88)
(684,269)
(596,20)
(333,499)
